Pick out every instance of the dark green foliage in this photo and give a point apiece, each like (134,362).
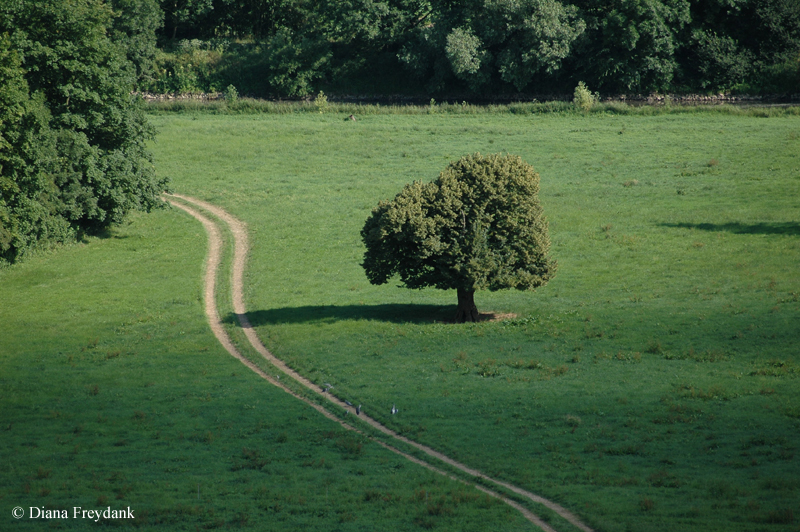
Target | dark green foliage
(134,28)
(721,61)
(280,47)
(630,45)
(184,15)
(479,42)
(209,19)
(27,148)
(751,44)
(478,226)
(190,66)
(293,63)
(73,156)
(253,18)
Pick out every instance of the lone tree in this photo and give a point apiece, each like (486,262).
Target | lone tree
(478,226)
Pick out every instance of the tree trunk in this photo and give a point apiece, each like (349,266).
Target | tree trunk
(175,20)
(467,311)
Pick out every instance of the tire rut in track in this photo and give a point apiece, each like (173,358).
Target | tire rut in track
(239,231)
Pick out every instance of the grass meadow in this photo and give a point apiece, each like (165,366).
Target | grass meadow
(651,385)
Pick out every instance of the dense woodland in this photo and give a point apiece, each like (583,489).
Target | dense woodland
(72,136)
(473,48)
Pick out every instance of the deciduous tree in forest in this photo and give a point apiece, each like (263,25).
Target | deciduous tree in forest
(480,41)
(478,226)
(630,45)
(134,27)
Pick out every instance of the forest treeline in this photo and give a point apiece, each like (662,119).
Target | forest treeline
(479,48)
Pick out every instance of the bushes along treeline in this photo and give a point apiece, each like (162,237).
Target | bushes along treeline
(72,139)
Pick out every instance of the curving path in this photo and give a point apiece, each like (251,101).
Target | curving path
(239,231)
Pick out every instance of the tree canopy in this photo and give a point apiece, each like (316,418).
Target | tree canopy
(72,148)
(478,226)
(479,41)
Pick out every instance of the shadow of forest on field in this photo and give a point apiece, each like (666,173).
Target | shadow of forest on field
(763,228)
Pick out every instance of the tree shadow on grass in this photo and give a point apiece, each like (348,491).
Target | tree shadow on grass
(103,233)
(764,228)
(392,313)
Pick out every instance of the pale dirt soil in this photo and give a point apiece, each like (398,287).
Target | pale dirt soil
(239,231)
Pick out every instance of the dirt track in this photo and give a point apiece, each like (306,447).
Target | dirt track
(239,231)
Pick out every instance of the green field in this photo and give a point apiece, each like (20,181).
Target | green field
(652,385)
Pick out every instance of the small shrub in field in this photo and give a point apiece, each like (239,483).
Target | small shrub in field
(230,94)
(583,97)
(548,373)
(488,368)
(321,102)
(251,459)
(714,392)
(601,356)
(573,421)
(438,508)
(654,348)
(663,479)
(710,355)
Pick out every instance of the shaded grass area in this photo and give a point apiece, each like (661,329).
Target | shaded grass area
(116,394)
(780,228)
(652,385)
